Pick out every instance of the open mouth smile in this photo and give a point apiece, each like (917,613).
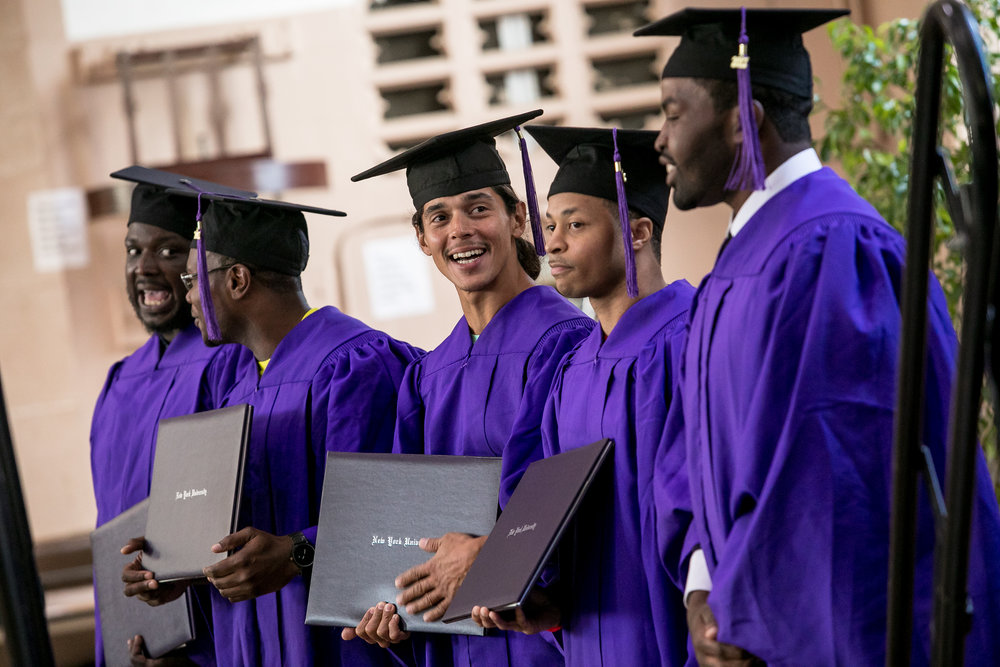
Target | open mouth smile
(467,256)
(152,297)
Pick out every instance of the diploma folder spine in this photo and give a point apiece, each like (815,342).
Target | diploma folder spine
(196,490)
(550,493)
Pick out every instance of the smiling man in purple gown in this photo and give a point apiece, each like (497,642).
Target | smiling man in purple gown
(616,384)
(323,381)
(174,373)
(486,380)
(790,369)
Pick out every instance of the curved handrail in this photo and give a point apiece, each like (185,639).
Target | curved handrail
(944,21)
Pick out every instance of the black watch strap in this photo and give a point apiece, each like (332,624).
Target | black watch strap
(302,552)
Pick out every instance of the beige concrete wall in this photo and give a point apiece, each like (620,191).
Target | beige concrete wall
(60,331)
(46,397)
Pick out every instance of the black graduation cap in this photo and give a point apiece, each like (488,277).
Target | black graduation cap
(618,165)
(585,156)
(460,161)
(153,205)
(735,45)
(709,40)
(264,233)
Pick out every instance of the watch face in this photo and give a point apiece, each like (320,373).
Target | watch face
(302,554)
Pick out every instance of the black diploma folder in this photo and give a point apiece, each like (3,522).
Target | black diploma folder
(374,511)
(194,495)
(528,531)
(163,628)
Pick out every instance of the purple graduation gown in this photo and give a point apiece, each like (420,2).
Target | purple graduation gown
(617,610)
(140,390)
(331,385)
(788,390)
(468,398)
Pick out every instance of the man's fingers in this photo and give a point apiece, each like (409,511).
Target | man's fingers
(133,574)
(413,575)
(136,651)
(133,545)
(371,628)
(234,541)
(228,581)
(232,586)
(388,611)
(429,600)
(481,615)
(430,544)
(437,611)
(237,592)
(396,632)
(490,619)
(141,589)
(361,631)
(499,622)
(225,567)
(414,592)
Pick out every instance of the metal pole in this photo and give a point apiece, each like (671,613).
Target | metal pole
(951,616)
(913,342)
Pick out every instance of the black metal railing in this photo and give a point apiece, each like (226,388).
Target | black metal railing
(973,208)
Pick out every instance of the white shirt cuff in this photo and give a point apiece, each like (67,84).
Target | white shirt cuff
(698,578)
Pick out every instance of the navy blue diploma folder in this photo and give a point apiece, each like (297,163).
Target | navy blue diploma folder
(194,496)
(374,511)
(529,530)
(163,628)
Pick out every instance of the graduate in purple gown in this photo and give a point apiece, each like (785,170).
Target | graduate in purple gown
(790,369)
(174,373)
(487,379)
(323,382)
(616,384)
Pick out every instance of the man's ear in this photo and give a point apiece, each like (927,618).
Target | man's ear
(520,219)
(642,231)
(734,131)
(237,281)
(421,241)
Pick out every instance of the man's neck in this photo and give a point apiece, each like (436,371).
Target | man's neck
(480,306)
(262,334)
(774,157)
(610,308)
(167,337)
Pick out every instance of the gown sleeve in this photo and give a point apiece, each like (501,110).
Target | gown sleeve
(662,484)
(410,413)
(525,443)
(354,402)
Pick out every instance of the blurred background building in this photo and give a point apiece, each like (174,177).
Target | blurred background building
(289,99)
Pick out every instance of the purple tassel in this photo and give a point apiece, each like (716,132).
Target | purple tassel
(748,171)
(207,307)
(631,281)
(529,194)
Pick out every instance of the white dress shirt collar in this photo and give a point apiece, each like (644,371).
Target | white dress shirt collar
(801,164)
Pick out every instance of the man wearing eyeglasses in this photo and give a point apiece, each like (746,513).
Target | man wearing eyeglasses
(322,381)
(174,373)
